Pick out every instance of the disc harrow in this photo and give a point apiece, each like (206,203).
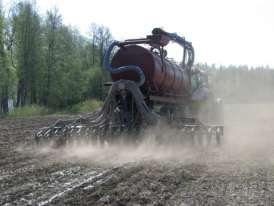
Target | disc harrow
(115,120)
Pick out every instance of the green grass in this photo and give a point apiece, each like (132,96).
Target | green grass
(86,106)
(29,111)
(36,110)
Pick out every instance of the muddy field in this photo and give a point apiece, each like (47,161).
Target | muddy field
(241,172)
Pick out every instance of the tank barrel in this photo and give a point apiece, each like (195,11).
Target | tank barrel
(134,68)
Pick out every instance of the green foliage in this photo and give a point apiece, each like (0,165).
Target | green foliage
(7,73)
(27,52)
(52,64)
(66,77)
(97,78)
(29,111)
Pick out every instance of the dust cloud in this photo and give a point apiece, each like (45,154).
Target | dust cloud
(248,139)
(249,130)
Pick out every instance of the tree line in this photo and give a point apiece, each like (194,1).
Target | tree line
(241,84)
(45,62)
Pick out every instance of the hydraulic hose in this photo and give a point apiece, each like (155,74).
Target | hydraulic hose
(112,70)
(182,42)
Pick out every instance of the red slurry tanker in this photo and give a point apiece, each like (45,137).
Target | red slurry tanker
(148,88)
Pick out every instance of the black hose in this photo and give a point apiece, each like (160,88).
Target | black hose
(182,42)
(118,70)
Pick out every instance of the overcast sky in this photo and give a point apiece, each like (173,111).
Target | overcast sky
(222,31)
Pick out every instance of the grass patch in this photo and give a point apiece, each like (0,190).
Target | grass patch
(36,110)
(29,111)
(86,106)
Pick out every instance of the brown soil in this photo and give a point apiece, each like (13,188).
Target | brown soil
(241,172)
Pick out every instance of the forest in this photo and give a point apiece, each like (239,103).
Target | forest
(45,62)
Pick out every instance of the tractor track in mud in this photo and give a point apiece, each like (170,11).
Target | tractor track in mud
(28,177)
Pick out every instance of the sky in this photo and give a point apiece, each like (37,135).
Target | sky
(223,32)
